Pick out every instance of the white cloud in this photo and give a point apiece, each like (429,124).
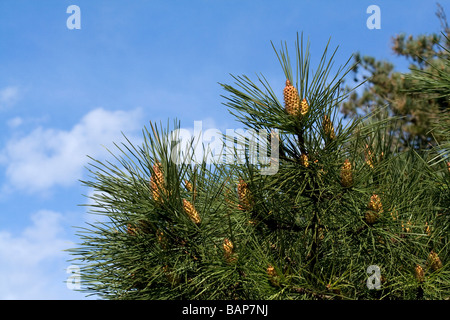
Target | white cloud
(33,262)
(36,243)
(8,96)
(48,157)
(15,122)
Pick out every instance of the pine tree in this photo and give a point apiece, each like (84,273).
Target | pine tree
(345,197)
(417,111)
(434,83)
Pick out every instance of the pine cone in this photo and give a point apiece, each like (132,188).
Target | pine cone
(190,188)
(434,261)
(427,229)
(371,217)
(273,276)
(131,230)
(375,209)
(375,204)
(304,107)
(228,247)
(157,182)
(188,185)
(346,174)
(291,99)
(304,160)
(191,211)
(328,127)
(245,196)
(420,274)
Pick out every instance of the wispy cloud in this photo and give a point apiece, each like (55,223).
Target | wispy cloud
(33,259)
(15,122)
(8,95)
(48,157)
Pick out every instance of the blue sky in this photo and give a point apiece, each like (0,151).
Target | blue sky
(66,93)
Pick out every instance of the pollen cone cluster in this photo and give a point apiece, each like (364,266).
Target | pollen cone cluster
(304,107)
(228,248)
(375,209)
(328,127)
(304,160)
(420,274)
(157,182)
(291,99)
(191,211)
(245,196)
(273,276)
(188,185)
(346,174)
(190,188)
(131,230)
(427,229)
(375,203)
(434,261)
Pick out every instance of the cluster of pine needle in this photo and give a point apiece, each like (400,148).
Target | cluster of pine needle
(344,198)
